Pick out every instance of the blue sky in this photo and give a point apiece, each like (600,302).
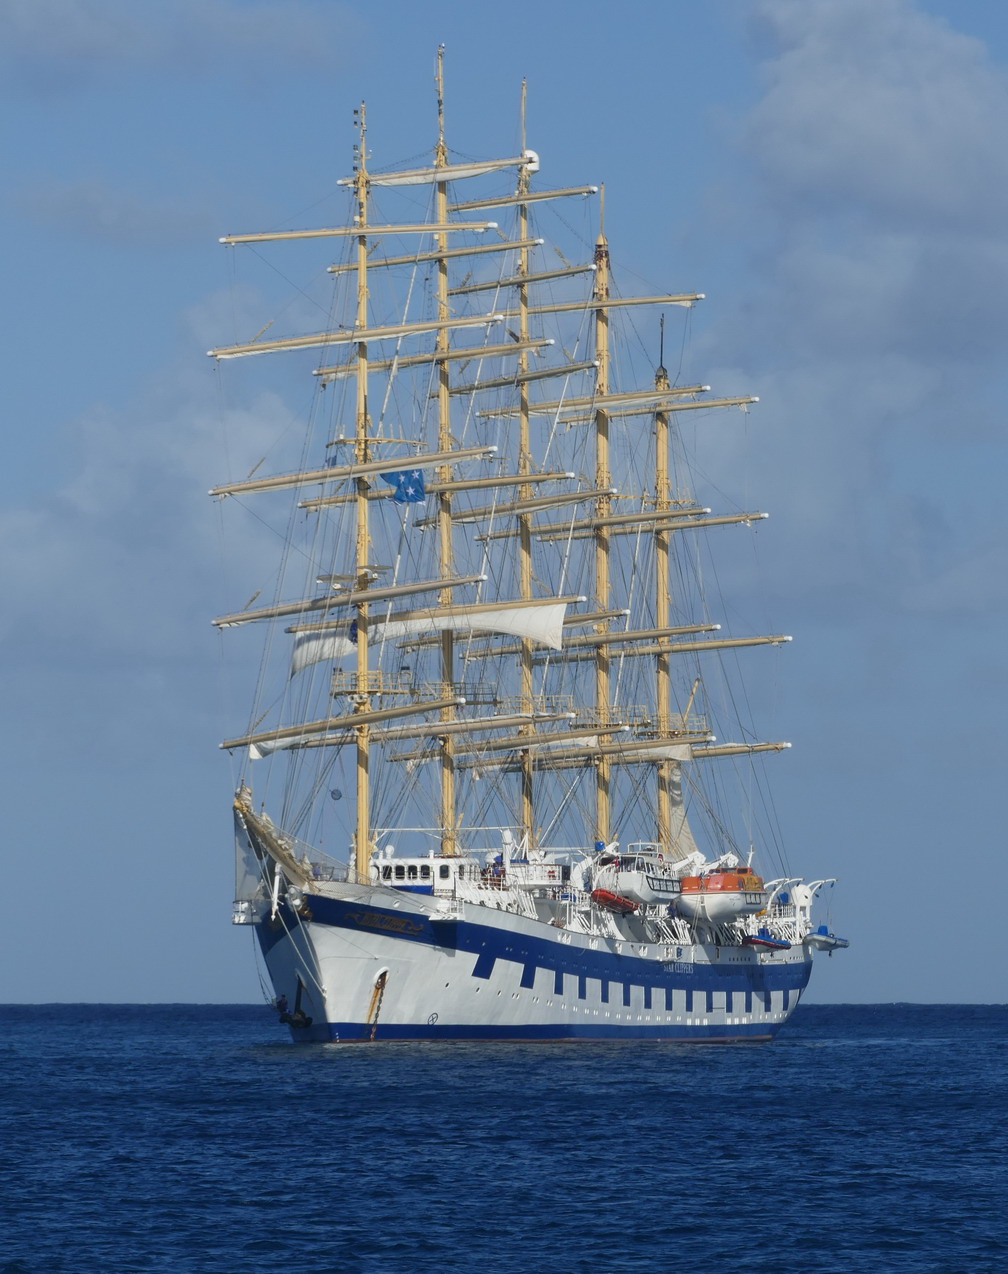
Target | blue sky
(832,173)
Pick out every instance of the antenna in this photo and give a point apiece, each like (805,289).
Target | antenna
(523,172)
(440,151)
(360,158)
(661,348)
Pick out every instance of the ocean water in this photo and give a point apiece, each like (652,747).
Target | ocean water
(194,1138)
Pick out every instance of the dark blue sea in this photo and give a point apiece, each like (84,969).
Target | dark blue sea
(194,1138)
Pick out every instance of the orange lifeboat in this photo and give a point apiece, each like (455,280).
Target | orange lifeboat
(722,896)
(613,902)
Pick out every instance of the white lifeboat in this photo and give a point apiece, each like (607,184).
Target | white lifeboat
(641,876)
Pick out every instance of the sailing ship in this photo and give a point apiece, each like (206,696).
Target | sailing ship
(488,626)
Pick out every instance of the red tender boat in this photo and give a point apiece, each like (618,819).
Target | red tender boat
(613,902)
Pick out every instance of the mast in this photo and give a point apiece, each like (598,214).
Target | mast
(362,835)
(527,831)
(603,482)
(662,606)
(449,824)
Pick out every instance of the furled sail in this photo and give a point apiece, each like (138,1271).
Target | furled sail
(680,833)
(539,622)
(447,172)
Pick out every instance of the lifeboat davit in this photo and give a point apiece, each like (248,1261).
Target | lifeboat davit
(721,896)
(613,902)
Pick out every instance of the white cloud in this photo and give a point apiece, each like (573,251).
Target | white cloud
(125,561)
(883,180)
(879,258)
(53,45)
(873,106)
(102,211)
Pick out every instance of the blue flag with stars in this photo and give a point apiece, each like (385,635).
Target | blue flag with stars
(409,486)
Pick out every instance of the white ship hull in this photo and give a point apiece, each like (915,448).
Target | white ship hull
(375,964)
